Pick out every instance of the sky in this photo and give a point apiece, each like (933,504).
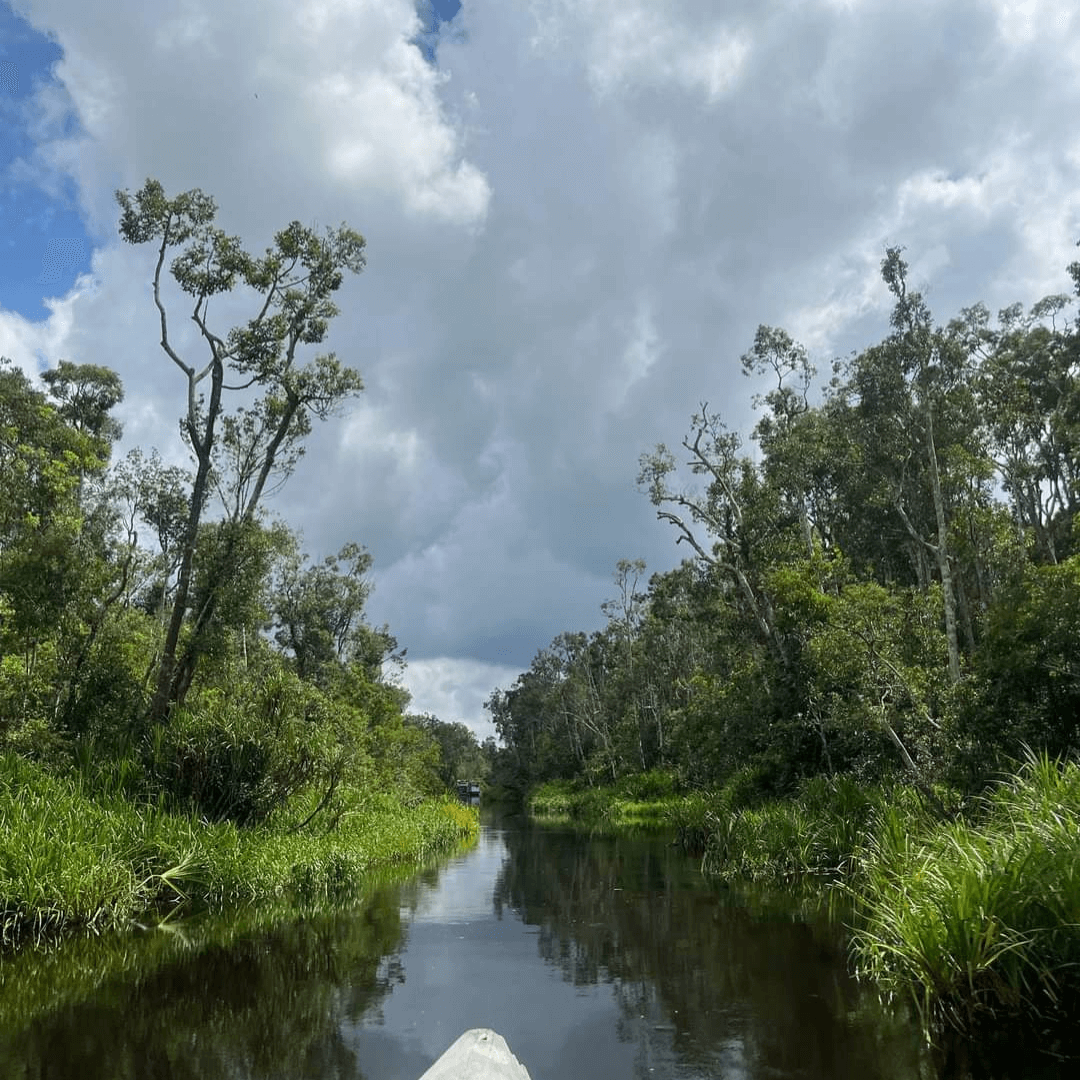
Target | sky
(577,212)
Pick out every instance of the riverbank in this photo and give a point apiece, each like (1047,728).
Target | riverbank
(974,918)
(76,860)
(648,799)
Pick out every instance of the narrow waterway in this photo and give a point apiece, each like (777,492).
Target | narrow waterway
(597,958)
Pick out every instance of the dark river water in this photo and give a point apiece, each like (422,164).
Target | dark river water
(597,959)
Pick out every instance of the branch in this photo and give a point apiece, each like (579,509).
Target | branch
(911,528)
(188,371)
(688,536)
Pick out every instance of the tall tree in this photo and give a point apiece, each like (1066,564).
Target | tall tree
(730,525)
(902,384)
(296,279)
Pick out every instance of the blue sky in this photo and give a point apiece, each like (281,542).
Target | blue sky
(434,13)
(577,213)
(32,263)
(45,243)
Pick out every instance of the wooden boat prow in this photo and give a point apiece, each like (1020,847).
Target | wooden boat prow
(480,1054)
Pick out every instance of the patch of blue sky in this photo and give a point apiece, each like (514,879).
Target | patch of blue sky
(43,242)
(434,14)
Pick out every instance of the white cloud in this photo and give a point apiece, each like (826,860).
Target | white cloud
(1024,21)
(455,690)
(574,226)
(631,44)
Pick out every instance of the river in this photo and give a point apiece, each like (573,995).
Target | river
(598,958)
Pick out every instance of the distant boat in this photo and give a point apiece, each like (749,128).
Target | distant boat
(480,1054)
(468,790)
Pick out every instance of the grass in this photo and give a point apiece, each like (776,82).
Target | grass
(817,832)
(75,860)
(978,919)
(647,801)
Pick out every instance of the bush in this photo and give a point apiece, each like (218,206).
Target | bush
(751,786)
(818,832)
(648,786)
(238,758)
(979,920)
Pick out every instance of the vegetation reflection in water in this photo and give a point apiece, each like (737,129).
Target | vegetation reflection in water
(710,981)
(254,992)
(705,981)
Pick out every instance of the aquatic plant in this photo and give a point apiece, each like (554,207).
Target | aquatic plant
(816,832)
(978,919)
(76,859)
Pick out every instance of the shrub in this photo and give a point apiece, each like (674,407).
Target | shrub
(238,758)
(980,919)
(652,785)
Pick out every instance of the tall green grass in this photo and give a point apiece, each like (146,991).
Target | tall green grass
(817,832)
(978,919)
(71,858)
(646,799)
(974,919)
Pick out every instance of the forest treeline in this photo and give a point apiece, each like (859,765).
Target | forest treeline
(868,670)
(887,582)
(170,658)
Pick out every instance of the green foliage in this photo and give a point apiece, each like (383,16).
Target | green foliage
(978,920)
(240,756)
(107,694)
(648,786)
(816,832)
(317,610)
(72,858)
(1028,689)
(460,755)
(647,800)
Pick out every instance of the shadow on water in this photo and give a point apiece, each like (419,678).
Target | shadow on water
(248,994)
(604,957)
(719,981)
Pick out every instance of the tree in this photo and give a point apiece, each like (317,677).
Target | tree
(775,351)
(923,355)
(42,462)
(1028,393)
(461,755)
(736,512)
(318,610)
(296,278)
(86,395)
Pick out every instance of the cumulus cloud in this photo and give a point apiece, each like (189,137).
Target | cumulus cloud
(634,43)
(575,221)
(455,690)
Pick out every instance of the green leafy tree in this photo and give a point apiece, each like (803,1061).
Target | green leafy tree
(295,279)
(460,754)
(731,524)
(318,610)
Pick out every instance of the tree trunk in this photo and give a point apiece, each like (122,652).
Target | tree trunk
(942,549)
(164,699)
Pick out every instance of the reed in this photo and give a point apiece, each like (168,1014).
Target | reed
(817,832)
(646,801)
(978,919)
(73,859)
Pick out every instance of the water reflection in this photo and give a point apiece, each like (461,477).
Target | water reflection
(597,958)
(705,985)
(269,1004)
